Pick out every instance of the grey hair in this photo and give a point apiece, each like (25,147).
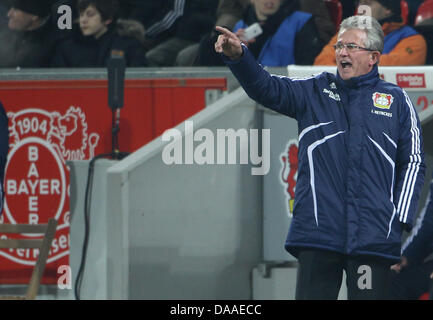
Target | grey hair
(372,28)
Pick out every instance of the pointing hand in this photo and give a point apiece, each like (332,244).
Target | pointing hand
(228,43)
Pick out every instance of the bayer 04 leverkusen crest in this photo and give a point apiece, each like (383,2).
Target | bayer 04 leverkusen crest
(36,177)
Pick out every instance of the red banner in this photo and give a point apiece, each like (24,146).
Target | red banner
(51,122)
(411,80)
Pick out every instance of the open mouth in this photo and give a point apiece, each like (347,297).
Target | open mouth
(346,64)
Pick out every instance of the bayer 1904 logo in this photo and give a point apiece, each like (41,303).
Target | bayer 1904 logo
(36,180)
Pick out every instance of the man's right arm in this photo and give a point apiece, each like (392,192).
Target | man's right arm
(278,93)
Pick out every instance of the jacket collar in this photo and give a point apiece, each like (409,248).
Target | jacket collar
(365,80)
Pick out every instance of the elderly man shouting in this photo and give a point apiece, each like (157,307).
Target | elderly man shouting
(361,162)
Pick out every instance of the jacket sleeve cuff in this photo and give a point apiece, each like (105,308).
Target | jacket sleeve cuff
(229,61)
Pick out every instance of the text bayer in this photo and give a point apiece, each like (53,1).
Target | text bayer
(226,139)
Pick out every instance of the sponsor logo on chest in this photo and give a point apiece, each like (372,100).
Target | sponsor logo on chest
(332,95)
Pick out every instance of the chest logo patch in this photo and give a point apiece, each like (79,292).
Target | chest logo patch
(382,100)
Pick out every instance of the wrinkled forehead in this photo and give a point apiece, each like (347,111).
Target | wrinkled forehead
(357,36)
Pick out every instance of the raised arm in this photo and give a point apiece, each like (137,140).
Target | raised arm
(278,93)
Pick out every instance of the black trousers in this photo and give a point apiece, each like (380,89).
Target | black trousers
(411,282)
(320,275)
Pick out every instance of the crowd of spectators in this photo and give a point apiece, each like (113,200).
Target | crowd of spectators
(153,33)
(403,44)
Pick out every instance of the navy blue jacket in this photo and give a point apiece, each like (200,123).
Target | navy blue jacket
(4,149)
(361,160)
(420,243)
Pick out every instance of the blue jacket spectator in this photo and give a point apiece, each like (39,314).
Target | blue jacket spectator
(284,32)
(324,27)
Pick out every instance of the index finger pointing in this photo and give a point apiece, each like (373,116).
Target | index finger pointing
(225,31)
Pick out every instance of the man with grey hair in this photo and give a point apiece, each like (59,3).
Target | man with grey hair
(361,162)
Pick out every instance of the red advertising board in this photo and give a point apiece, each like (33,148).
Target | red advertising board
(411,80)
(51,122)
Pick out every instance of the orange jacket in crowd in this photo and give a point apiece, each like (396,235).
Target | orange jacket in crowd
(409,51)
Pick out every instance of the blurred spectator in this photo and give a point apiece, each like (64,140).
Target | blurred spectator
(130,8)
(158,17)
(412,277)
(228,13)
(285,30)
(98,35)
(3,15)
(403,44)
(424,25)
(28,40)
(413,8)
(196,19)
(349,7)
(318,9)
(324,26)
(149,12)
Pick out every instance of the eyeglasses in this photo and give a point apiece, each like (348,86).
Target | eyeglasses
(349,47)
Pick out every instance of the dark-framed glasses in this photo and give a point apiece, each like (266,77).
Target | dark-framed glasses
(349,47)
